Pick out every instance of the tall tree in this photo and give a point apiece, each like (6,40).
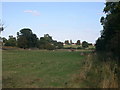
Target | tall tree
(78,42)
(109,40)
(26,39)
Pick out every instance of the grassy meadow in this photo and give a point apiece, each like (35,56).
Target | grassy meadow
(58,69)
(39,69)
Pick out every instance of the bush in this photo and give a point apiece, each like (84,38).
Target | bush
(50,47)
(84,44)
(79,47)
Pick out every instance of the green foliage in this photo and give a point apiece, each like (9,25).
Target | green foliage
(48,43)
(22,42)
(67,42)
(59,45)
(4,40)
(45,42)
(78,42)
(50,47)
(79,47)
(109,40)
(84,44)
(10,42)
(100,45)
(26,39)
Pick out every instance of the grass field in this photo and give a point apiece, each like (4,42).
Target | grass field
(58,69)
(39,69)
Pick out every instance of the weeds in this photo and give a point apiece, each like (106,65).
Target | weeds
(98,73)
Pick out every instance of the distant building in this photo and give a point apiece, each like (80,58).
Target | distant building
(73,44)
(64,44)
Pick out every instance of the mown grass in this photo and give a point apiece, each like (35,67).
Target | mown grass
(39,69)
(58,69)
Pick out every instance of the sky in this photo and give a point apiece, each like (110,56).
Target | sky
(61,20)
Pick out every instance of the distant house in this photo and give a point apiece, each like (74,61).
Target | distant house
(64,44)
(73,44)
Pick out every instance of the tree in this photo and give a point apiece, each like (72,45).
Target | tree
(42,43)
(67,42)
(100,44)
(33,40)
(26,39)
(4,40)
(11,41)
(48,38)
(78,42)
(109,40)
(59,45)
(22,42)
(1,26)
(46,42)
(84,44)
(50,46)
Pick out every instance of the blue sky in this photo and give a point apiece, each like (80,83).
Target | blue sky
(62,20)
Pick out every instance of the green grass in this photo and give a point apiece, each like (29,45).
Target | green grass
(58,69)
(39,69)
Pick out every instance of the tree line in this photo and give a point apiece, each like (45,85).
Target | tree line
(110,35)
(27,39)
(84,44)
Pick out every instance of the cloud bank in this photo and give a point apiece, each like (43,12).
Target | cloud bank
(33,12)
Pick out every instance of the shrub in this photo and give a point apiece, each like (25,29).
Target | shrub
(50,47)
(79,47)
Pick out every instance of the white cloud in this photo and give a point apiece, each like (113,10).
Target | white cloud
(33,12)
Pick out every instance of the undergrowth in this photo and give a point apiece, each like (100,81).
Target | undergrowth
(98,72)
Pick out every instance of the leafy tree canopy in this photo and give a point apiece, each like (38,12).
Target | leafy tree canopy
(84,44)
(26,39)
(110,35)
